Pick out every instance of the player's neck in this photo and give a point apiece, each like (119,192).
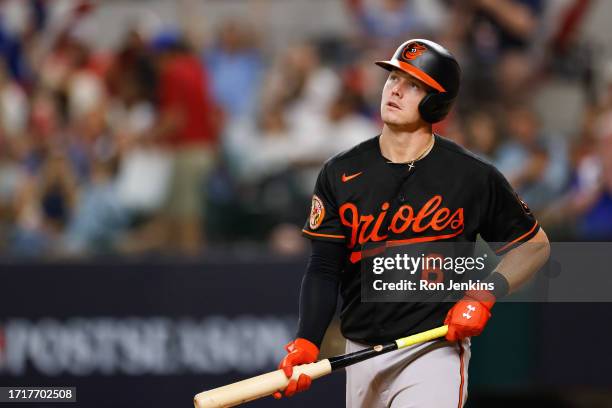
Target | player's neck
(401,146)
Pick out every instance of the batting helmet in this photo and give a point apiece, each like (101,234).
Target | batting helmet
(434,65)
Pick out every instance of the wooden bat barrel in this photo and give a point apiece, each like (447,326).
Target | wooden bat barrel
(257,387)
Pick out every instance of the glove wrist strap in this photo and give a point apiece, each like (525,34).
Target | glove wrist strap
(501,287)
(483,296)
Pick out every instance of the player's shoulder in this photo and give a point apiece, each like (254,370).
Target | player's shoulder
(453,151)
(357,153)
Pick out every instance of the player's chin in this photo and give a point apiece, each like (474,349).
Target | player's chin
(391,119)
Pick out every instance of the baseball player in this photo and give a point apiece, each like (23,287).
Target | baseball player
(408,185)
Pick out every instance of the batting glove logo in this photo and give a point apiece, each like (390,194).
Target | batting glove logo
(467,314)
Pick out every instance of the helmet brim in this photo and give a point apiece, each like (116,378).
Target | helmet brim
(412,71)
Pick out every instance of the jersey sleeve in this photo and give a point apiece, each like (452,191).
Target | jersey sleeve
(323,223)
(507,220)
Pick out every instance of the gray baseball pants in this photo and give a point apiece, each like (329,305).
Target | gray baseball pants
(427,375)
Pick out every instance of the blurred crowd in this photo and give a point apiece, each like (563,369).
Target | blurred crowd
(170,144)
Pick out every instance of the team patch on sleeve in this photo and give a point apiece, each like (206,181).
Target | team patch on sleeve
(524,205)
(317,213)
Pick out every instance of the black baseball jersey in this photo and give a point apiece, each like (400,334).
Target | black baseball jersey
(451,194)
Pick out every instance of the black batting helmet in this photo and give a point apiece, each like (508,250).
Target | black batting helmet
(434,65)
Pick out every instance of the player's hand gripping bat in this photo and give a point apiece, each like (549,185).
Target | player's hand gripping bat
(266,384)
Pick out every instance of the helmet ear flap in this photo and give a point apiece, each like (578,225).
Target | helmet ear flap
(435,106)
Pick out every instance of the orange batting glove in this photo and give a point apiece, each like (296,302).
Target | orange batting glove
(300,351)
(469,316)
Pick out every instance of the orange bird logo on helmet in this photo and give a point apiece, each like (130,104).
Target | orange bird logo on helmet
(413,50)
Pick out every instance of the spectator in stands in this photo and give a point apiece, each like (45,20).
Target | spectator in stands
(534,163)
(14,105)
(10,179)
(387,21)
(492,27)
(344,126)
(45,202)
(187,124)
(482,133)
(236,69)
(495,36)
(595,223)
(13,52)
(99,218)
(585,210)
(258,149)
(145,164)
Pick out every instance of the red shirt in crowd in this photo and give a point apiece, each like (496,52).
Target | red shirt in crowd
(183,88)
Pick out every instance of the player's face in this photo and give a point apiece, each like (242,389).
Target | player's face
(400,99)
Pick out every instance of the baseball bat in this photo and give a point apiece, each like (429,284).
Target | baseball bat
(266,384)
